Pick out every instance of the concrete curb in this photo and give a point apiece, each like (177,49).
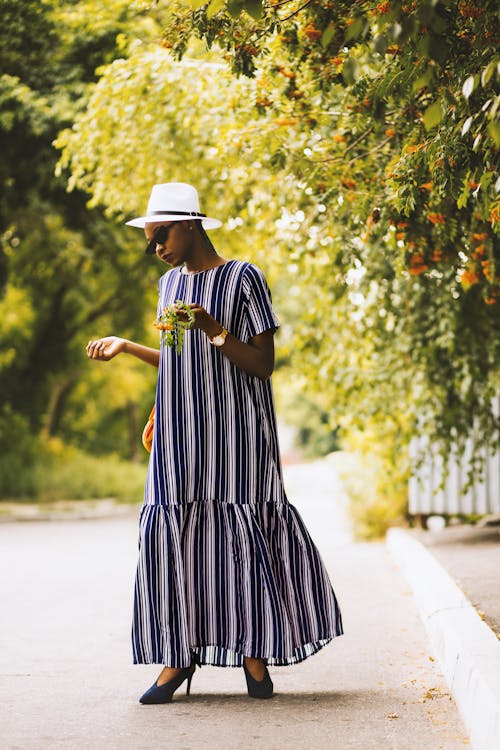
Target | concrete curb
(467,650)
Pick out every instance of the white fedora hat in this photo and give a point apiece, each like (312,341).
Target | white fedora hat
(174,201)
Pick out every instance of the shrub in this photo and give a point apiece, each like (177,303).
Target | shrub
(70,474)
(18,455)
(377,492)
(49,470)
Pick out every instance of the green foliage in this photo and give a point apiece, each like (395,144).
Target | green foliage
(181,112)
(69,280)
(172,327)
(315,437)
(28,34)
(64,270)
(372,511)
(106,409)
(375,479)
(70,474)
(48,470)
(18,455)
(389,123)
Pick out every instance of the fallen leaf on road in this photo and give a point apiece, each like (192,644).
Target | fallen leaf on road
(392,716)
(432,693)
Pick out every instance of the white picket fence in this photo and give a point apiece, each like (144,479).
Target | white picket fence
(425,497)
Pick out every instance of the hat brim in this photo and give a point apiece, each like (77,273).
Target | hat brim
(141,221)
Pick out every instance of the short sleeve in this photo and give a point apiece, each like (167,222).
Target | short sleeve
(260,315)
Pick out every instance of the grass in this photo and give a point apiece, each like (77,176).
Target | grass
(66,473)
(84,477)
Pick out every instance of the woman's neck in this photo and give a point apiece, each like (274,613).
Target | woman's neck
(202,257)
(206,265)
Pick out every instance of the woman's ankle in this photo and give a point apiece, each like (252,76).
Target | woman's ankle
(256,667)
(167,674)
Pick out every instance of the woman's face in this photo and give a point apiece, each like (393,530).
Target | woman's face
(174,242)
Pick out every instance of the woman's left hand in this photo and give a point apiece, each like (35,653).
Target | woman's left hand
(202,319)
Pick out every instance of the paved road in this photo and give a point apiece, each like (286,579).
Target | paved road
(66,678)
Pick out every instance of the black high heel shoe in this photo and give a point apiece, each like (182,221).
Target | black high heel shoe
(164,693)
(259,688)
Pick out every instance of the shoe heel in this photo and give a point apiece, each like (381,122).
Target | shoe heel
(195,662)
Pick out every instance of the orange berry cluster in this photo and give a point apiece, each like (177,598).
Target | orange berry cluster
(468,10)
(436,218)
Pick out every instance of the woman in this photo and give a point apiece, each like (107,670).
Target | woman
(227,573)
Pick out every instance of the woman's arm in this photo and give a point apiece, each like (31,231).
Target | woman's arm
(108,347)
(255,357)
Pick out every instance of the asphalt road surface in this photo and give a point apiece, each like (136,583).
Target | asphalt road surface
(67,678)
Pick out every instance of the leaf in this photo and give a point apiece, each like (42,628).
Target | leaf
(196,4)
(494,109)
(422,81)
(214,7)
(467,125)
(487,74)
(350,71)
(485,180)
(464,195)
(234,7)
(327,35)
(494,132)
(433,115)
(381,43)
(468,87)
(253,8)
(355,29)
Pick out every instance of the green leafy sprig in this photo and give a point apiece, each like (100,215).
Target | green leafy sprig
(172,327)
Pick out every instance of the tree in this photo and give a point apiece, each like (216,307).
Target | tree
(64,270)
(389,118)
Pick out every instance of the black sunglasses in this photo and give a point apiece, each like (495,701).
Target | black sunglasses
(159,238)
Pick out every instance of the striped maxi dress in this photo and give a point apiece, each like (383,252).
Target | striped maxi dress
(226,567)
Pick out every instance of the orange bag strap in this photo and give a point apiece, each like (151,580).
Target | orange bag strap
(147,433)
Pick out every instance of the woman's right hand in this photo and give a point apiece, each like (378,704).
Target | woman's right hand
(106,348)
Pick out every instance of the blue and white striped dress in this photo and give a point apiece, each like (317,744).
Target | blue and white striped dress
(226,566)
